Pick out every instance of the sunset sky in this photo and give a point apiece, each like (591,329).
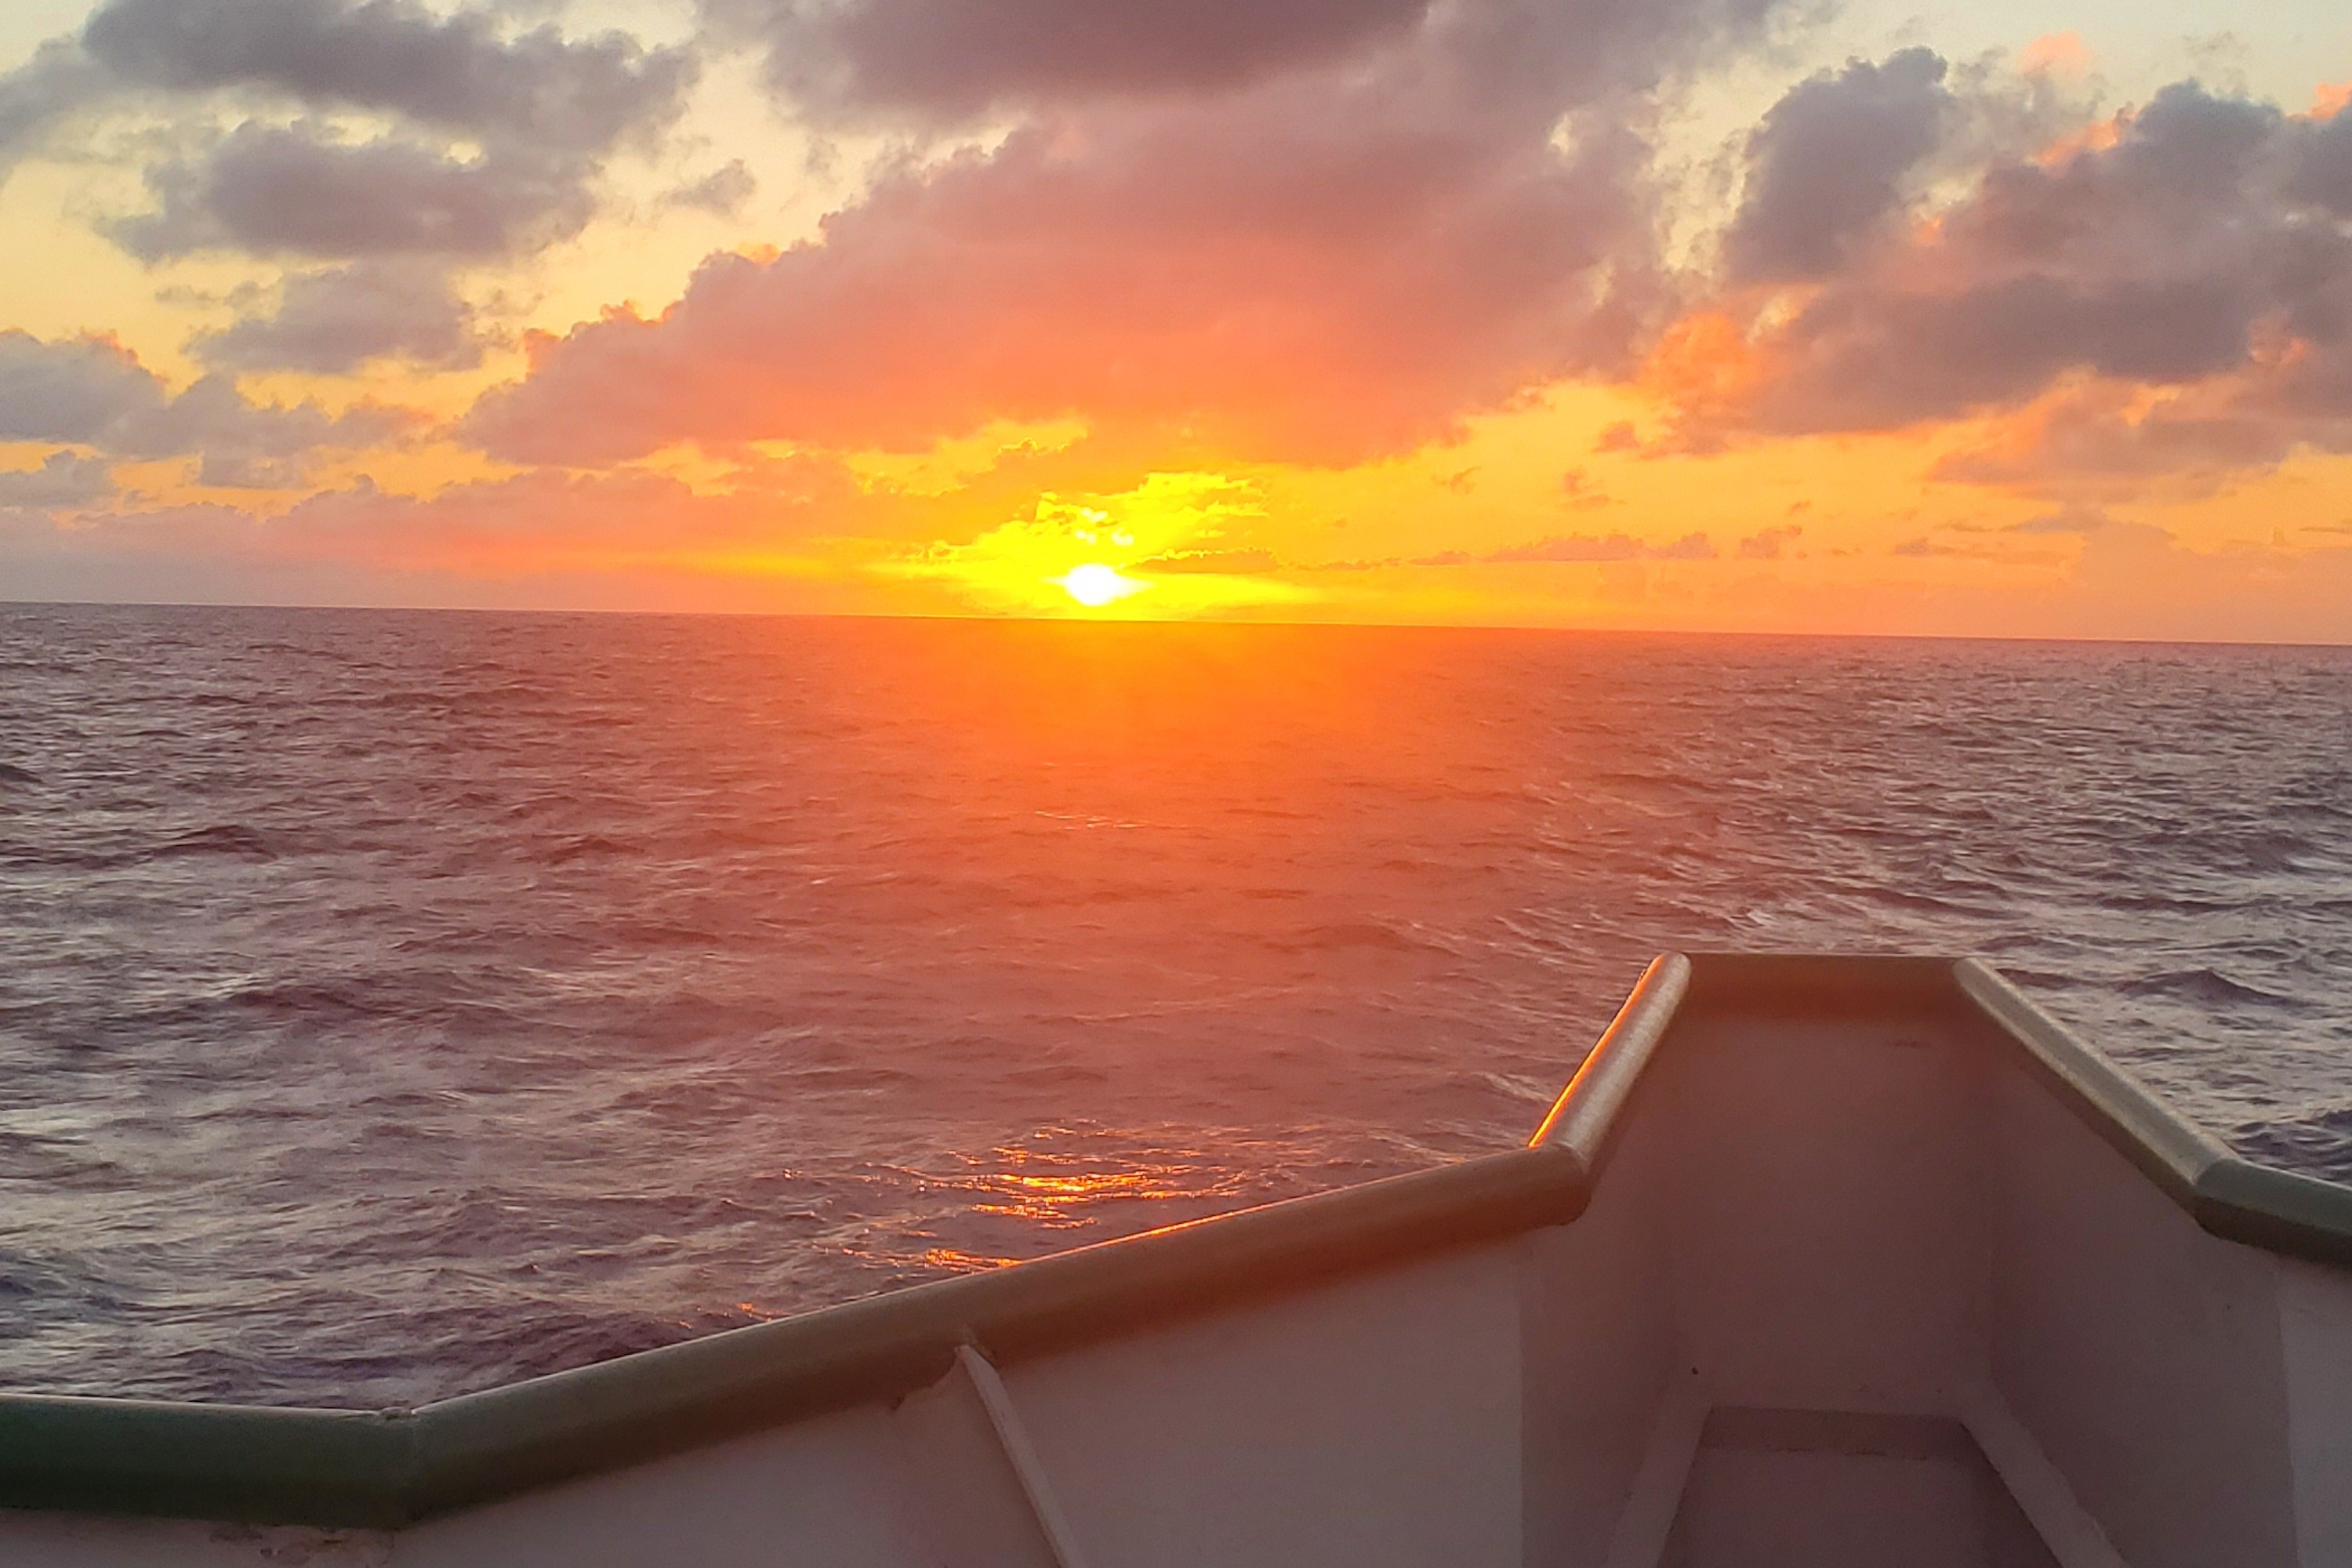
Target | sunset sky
(1709,314)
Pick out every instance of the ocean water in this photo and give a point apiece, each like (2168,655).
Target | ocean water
(394,1004)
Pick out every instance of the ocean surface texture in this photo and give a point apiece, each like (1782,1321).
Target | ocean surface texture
(394,1004)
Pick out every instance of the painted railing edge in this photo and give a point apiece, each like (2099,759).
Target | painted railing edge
(2172,1151)
(2230,1196)
(1587,1115)
(251,1463)
(2278,1211)
(336,1468)
(637,1407)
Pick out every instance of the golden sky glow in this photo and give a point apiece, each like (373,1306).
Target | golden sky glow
(1272,319)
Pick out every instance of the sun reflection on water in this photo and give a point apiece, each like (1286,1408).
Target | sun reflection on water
(1061,1191)
(1078,1179)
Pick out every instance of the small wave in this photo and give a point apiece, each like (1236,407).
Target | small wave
(1057,1075)
(2165,903)
(2319,1145)
(234,840)
(580,849)
(1375,934)
(2207,987)
(1528,1090)
(853,1077)
(2039,979)
(313,1000)
(57,1287)
(508,1349)
(1917,902)
(16,777)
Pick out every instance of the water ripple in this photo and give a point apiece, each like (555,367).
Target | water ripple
(395,1004)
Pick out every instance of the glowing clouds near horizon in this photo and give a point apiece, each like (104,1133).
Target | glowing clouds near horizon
(1141,551)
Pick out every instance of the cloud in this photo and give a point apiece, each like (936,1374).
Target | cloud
(1769,544)
(252,445)
(1321,300)
(955,60)
(538,91)
(495,143)
(721,193)
(2110,441)
(82,391)
(1321,268)
(1230,563)
(2173,296)
(1158,547)
(2320,168)
(64,480)
(1880,359)
(547,522)
(332,322)
(542,537)
(1924,548)
(1827,165)
(2073,522)
(92,392)
(1577,490)
(1576,548)
(276,192)
(57,80)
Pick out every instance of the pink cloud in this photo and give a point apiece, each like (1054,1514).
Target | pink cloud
(1324,265)
(1266,287)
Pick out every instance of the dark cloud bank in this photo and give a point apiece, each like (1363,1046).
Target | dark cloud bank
(334,321)
(1827,166)
(544,109)
(2203,249)
(92,393)
(498,140)
(1319,232)
(953,60)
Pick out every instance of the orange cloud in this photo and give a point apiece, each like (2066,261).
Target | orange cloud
(1321,268)
(1322,304)
(1703,363)
(2056,53)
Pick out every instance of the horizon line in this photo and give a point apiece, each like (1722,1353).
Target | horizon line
(8,602)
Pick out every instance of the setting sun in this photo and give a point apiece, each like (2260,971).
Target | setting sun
(1095,584)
